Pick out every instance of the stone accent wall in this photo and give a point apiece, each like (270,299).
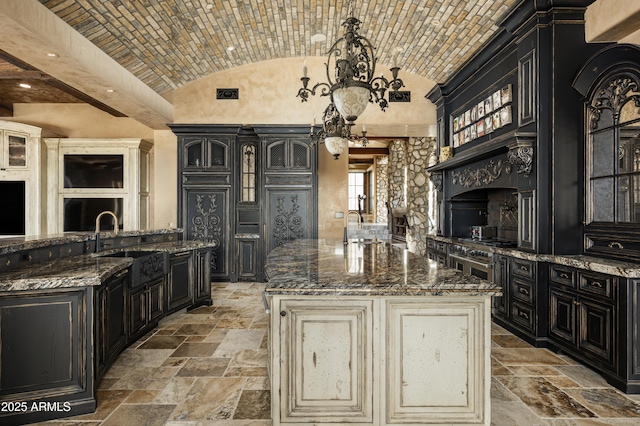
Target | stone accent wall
(421,206)
(397,175)
(382,188)
(405,168)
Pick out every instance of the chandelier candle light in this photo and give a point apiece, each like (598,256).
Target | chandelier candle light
(352,84)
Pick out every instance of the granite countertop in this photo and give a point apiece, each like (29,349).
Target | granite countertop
(166,247)
(29,242)
(323,267)
(75,271)
(83,270)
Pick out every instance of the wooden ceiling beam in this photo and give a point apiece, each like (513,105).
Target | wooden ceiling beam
(23,75)
(6,110)
(369,151)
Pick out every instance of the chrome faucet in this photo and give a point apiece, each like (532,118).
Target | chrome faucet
(346,223)
(115,221)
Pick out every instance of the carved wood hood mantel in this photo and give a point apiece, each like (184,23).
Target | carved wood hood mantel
(520,153)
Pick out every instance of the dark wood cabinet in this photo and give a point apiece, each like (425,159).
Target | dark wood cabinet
(202,285)
(522,306)
(206,218)
(501,277)
(206,153)
(111,313)
(289,185)
(245,190)
(179,281)
(582,314)
(146,307)
(247,261)
(47,352)
(206,167)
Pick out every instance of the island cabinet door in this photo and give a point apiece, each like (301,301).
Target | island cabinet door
(324,358)
(437,361)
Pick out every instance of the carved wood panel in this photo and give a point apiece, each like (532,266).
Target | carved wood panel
(207,219)
(289,216)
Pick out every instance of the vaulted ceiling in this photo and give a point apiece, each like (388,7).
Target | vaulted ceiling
(167,44)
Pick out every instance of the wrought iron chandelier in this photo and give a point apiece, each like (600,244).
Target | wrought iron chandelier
(335,132)
(350,68)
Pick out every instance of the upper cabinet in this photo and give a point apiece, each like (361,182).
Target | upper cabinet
(610,84)
(14,150)
(88,176)
(206,153)
(290,154)
(20,183)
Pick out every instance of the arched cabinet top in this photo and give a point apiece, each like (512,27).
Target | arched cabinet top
(610,60)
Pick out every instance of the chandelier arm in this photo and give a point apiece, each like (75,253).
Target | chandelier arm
(304,92)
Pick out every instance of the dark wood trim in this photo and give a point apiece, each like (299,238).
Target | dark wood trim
(369,151)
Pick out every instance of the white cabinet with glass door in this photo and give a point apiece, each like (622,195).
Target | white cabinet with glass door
(20,178)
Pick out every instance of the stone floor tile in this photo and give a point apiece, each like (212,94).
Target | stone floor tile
(140,414)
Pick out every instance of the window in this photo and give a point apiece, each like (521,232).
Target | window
(248,173)
(613,166)
(357,191)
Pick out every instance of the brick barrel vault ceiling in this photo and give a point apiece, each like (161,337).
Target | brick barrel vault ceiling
(168,43)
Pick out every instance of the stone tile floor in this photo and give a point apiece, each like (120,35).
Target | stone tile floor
(209,367)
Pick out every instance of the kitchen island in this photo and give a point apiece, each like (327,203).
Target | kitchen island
(370,333)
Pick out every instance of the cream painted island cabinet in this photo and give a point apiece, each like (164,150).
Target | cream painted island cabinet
(373,334)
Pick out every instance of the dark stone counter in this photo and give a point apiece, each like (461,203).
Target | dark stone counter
(319,267)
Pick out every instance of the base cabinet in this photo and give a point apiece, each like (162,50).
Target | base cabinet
(179,281)
(111,326)
(522,307)
(582,315)
(380,360)
(46,355)
(202,285)
(146,307)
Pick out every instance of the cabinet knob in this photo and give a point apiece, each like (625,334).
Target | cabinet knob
(283,314)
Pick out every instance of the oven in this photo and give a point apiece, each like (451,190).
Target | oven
(473,262)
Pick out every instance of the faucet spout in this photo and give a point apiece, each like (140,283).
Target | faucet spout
(346,223)
(115,221)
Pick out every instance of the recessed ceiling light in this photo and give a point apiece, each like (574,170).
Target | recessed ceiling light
(231,48)
(110,90)
(318,38)
(25,85)
(52,55)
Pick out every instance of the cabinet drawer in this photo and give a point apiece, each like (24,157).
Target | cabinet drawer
(594,283)
(522,289)
(431,243)
(523,315)
(562,275)
(441,247)
(523,268)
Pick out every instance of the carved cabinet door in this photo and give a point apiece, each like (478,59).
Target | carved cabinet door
(290,216)
(207,219)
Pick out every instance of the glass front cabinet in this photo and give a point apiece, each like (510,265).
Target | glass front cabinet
(20,165)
